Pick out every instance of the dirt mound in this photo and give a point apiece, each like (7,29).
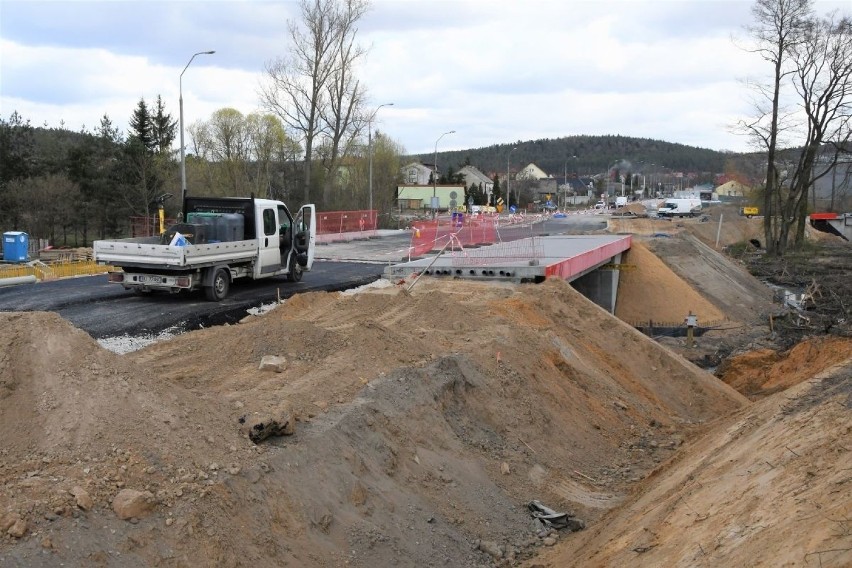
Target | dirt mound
(765,371)
(648,290)
(642,226)
(60,392)
(427,421)
(79,424)
(635,208)
(726,227)
(769,486)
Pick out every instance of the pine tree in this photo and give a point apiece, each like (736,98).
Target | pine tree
(163,128)
(142,126)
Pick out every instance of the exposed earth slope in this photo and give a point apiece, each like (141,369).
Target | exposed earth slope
(422,423)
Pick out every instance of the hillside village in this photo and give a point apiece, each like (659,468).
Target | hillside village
(541,190)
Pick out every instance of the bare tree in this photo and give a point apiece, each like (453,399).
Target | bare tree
(823,82)
(345,96)
(779,26)
(298,87)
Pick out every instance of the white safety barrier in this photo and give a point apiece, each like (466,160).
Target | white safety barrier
(18,280)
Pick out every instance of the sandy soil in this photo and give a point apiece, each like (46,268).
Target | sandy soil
(425,421)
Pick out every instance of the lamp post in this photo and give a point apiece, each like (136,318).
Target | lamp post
(653,192)
(370,150)
(435,175)
(565,183)
(182,153)
(508,183)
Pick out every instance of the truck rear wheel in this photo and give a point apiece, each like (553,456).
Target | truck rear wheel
(218,291)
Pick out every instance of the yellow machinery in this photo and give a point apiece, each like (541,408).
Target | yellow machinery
(161,210)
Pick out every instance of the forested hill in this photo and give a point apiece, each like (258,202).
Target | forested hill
(594,154)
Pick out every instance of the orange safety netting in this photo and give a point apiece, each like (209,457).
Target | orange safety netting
(330,222)
(455,232)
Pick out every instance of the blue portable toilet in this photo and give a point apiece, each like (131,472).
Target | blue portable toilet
(16,245)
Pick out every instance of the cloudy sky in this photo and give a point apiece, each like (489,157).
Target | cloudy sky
(495,71)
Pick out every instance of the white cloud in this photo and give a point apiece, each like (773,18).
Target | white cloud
(496,71)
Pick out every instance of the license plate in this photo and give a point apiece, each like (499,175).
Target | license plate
(150,279)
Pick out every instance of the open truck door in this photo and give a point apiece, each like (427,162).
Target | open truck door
(306,235)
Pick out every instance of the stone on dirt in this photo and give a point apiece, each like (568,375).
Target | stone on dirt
(130,503)
(280,422)
(491,548)
(18,529)
(82,497)
(274,363)
(7,520)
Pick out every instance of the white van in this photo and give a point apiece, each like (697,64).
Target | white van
(680,207)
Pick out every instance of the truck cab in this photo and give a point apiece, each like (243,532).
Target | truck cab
(285,243)
(221,240)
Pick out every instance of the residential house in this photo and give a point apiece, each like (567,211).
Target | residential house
(732,191)
(473,176)
(576,191)
(417,173)
(532,171)
(538,185)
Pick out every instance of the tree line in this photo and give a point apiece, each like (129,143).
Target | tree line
(307,144)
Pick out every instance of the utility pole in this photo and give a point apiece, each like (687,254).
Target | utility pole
(370,150)
(508,183)
(435,174)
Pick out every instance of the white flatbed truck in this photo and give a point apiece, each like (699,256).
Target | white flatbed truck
(223,239)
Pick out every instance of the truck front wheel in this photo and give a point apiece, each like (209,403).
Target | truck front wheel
(220,286)
(294,269)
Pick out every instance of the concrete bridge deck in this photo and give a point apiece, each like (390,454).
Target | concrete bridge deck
(575,258)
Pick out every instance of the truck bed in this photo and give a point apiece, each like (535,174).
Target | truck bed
(147,252)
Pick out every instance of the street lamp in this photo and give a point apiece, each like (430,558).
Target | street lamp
(508,183)
(435,175)
(565,182)
(370,150)
(182,154)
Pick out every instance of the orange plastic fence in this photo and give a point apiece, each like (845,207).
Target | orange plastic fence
(458,231)
(330,222)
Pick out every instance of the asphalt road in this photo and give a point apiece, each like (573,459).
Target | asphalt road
(106,310)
